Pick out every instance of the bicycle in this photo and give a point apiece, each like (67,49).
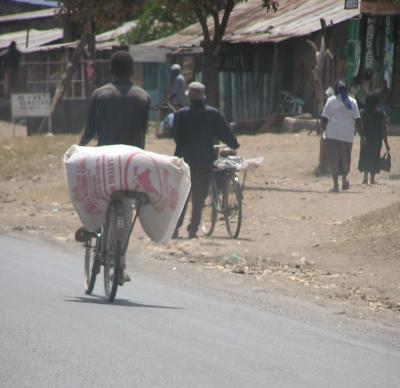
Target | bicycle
(225,196)
(290,104)
(166,119)
(109,244)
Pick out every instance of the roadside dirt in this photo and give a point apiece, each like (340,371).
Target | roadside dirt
(337,249)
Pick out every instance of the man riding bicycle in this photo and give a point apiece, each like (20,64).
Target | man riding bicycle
(117,113)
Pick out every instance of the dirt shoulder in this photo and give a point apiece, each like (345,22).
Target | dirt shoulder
(297,238)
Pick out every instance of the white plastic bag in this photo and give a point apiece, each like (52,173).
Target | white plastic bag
(238,164)
(94,173)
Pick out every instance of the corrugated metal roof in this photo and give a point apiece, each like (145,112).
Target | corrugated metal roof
(39,39)
(250,23)
(36,38)
(26,16)
(116,33)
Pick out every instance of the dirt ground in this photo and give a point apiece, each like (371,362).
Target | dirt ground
(341,250)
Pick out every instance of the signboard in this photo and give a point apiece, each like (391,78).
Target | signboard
(389,51)
(369,42)
(350,4)
(30,105)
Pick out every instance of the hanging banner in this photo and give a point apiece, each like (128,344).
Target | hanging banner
(350,4)
(369,42)
(389,51)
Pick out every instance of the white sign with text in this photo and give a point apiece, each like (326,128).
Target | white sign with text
(30,104)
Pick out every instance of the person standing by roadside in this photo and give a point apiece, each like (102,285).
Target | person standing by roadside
(340,117)
(197,127)
(11,57)
(374,131)
(117,114)
(177,96)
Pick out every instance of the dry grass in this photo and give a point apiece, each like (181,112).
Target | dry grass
(24,157)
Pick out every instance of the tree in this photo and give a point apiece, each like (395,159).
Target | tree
(157,21)
(213,17)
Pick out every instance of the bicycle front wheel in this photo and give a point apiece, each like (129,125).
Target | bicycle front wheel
(113,249)
(209,214)
(92,266)
(232,205)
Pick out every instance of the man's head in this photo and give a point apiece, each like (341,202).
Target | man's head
(196,91)
(175,70)
(340,87)
(13,45)
(371,102)
(121,65)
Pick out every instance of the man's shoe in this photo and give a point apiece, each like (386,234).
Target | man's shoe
(192,234)
(123,278)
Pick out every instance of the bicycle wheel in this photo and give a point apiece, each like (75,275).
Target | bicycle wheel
(92,266)
(209,214)
(232,205)
(113,249)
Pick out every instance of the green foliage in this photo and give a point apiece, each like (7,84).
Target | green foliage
(158,20)
(103,14)
(161,18)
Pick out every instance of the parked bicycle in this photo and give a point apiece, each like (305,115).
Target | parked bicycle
(225,196)
(165,119)
(107,247)
(290,104)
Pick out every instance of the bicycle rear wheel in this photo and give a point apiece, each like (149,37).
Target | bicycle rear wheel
(232,205)
(113,249)
(209,214)
(92,265)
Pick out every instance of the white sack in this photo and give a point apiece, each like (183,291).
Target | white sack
(237,163)
(94,173)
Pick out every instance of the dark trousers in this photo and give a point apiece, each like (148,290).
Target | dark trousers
(200,180)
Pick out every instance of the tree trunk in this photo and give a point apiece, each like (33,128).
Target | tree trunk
(211,78)
(90,58)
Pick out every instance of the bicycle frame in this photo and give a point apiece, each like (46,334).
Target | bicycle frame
(111,242)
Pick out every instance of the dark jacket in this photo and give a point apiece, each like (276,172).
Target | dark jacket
(118,114)
(197,128)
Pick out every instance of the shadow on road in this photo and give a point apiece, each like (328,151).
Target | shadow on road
(117,302)
(291,190)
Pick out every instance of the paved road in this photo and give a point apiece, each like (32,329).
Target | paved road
(167,331)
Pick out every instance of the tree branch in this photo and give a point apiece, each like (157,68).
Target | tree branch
(203,23)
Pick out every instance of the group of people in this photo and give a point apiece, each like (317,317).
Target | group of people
(340,120)
(118,113)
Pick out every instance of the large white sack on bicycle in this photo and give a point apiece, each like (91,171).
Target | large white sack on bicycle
(94,173)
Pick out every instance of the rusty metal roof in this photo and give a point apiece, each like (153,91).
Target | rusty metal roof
(26,16)
(250,23)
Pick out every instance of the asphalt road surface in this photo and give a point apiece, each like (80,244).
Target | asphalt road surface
(173,327)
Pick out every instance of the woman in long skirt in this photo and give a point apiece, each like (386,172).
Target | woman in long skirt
(374,131)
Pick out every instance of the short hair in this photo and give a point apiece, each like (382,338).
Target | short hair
(196,91)
(121,64)
(371,101)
